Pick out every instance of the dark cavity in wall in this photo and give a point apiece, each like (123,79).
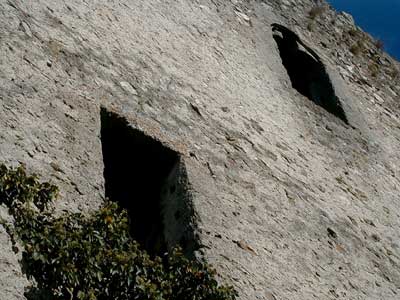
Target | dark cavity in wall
(135,168)
(149,180)
(306,71)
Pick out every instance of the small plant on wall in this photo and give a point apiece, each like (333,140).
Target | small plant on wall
(87,257)
(357,48)
(316,11)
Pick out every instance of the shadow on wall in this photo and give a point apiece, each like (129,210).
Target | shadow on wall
(306,71)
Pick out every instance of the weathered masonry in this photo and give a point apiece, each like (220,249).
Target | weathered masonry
(215,130)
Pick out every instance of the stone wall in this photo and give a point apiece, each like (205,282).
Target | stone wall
(289,201)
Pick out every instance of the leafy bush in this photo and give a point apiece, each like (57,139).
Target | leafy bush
(17,186)
(93,257)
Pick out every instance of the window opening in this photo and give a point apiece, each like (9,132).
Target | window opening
(306,71)
(136,167)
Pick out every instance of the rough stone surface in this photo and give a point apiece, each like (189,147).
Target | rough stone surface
(290,202)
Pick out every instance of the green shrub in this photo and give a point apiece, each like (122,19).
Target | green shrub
(93,257)
(17,186)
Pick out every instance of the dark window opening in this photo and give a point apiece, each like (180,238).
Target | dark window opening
(306,71)
(135,169)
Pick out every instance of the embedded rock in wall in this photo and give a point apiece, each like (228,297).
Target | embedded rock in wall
(285,198)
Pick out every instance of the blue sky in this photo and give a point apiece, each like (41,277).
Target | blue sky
(381,18)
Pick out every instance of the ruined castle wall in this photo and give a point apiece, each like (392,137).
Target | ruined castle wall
(289,201)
